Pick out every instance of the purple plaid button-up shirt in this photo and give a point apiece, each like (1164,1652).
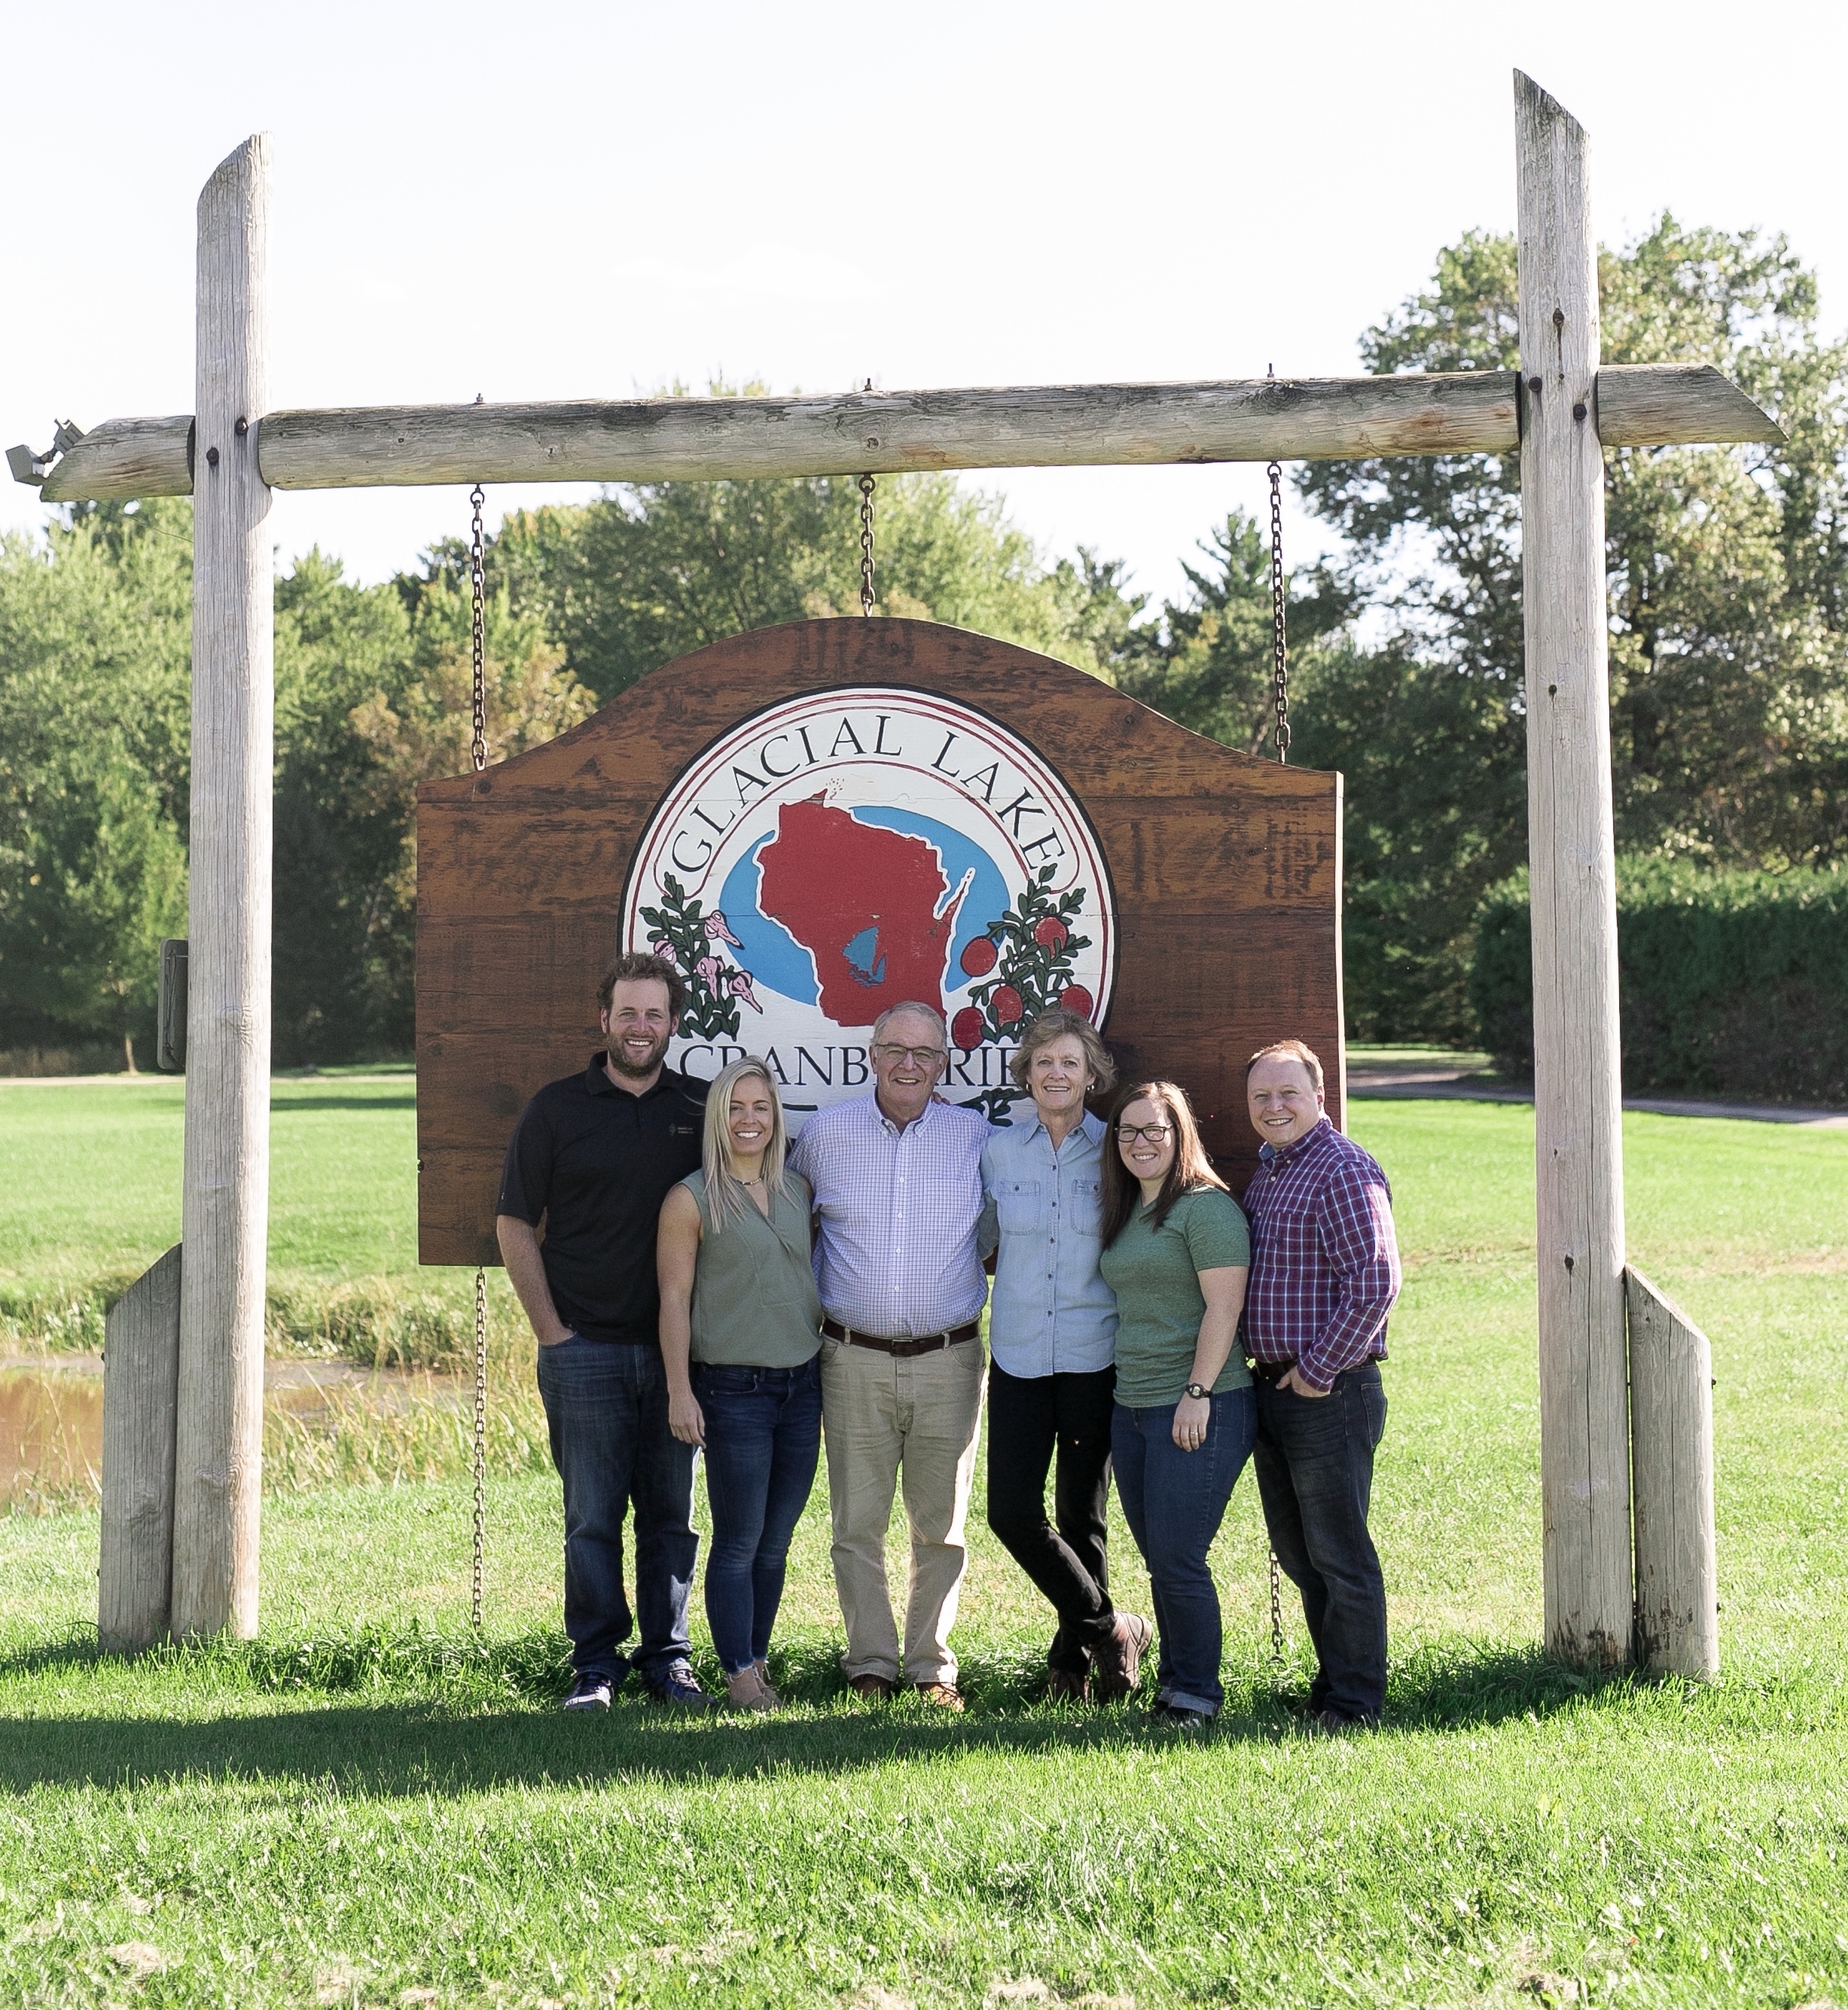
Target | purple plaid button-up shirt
(1324,1261)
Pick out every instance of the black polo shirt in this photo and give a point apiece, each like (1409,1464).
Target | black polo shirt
(596,1163)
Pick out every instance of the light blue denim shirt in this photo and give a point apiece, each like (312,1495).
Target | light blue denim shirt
(1052,1313)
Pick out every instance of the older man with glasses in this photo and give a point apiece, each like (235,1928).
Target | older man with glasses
(897,1177)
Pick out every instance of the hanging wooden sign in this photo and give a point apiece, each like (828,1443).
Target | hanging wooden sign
(818,821)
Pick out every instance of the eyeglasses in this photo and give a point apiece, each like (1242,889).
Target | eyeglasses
(1156,1134)
(919,1056)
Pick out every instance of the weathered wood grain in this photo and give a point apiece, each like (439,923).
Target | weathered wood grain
(140,1401)
(1226,870)
(1584,1420)
(124,459)
(663,439)
(225,1210)
(1671,1398)
(1676,404)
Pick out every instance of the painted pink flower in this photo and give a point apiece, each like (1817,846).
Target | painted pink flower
(719,929)
(738,983)
(707,970)
(661,946)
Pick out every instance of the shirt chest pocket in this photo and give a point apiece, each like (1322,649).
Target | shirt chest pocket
(1085,1201)
(1018,1205)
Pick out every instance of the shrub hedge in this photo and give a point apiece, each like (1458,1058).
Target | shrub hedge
(1730,982)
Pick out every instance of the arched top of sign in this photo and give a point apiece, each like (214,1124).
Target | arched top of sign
(846,850)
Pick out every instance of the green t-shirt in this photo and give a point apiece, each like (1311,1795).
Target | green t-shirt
(755,1303)
(1155,1273)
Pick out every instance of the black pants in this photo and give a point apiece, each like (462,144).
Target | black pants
(1029,1418)
(1314,1461)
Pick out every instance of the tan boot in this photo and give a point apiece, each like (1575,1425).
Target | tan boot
(748,1690)
(763,1676)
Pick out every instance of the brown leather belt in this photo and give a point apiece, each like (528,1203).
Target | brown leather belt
(902,1349)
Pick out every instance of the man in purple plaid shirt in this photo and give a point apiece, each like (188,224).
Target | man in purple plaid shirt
(1324,1273)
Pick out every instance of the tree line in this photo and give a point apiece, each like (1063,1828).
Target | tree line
(1729,655)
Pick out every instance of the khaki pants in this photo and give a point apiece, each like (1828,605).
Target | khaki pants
(884,1417)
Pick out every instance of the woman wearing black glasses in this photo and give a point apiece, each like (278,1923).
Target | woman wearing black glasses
(1177,1254)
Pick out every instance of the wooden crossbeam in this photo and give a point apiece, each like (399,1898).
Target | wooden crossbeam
(1080,425)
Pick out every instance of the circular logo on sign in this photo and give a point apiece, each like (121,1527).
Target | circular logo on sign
(849,851)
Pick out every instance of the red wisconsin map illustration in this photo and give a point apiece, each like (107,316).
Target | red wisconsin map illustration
(863,902)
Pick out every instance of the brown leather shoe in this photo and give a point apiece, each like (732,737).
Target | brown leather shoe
(1117,1661)
(875,1688)
(945,1696)
(1063,1685)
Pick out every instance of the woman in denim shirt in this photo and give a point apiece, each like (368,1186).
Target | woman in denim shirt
(1052,1333)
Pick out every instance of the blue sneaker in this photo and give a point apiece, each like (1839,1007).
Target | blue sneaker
(680,1688)
(590,1691)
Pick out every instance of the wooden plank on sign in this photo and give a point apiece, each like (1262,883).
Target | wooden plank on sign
(140,1399)
(1671,1403)
(708,439)
(1225,869)
(1584,1419)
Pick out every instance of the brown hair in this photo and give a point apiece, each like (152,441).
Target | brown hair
(1054,1023)
(1191,1171)
(1288,1050)
(640,967)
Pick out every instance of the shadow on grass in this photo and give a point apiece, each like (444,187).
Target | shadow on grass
(440,1716)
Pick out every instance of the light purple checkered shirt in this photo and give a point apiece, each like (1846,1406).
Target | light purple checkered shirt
(896,1254)
(1324,1260)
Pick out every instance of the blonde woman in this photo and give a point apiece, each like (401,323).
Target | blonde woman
(741,1332)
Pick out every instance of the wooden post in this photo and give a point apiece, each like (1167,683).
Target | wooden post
(141,1384)
(1577,1084)
(225,1208)
(1671,1409)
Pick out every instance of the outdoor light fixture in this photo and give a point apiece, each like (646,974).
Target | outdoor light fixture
(32,468)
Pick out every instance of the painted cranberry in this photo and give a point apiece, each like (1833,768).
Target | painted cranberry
(1051,933)
(965,1029)
(1075,998)
(980,957)
(1010,1007)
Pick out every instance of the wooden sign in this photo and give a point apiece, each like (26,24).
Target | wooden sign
(818,821)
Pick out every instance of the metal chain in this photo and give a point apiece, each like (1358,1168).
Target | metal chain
(478,751)
(1279,650)
(477,580)
(866,544)
(1276,1611)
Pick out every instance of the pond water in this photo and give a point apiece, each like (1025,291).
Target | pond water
(51,1415)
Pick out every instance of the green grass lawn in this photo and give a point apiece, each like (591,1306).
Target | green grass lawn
(365,1807)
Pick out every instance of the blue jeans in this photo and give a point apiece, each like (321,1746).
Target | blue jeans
(1174,1501)
(606,1413)
(762,1439)
(1315,1470)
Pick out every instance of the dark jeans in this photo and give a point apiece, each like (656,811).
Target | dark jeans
(1315,1468)
(762,1439)
(1030,1418)
(1174,1501)
(606,1411)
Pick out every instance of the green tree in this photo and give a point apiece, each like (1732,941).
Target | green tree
(95,625)
(1729,575)
(654,570)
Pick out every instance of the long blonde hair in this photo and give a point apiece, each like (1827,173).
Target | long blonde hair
(725,1197)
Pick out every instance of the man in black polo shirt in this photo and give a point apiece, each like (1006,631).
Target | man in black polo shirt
(594,1156)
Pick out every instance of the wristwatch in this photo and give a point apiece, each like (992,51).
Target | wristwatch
(1199,1394)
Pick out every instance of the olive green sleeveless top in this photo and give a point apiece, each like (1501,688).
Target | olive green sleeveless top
(755,1302)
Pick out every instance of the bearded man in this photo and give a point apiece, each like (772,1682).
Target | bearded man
(592,1157)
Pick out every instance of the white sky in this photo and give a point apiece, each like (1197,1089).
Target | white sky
(570,201)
